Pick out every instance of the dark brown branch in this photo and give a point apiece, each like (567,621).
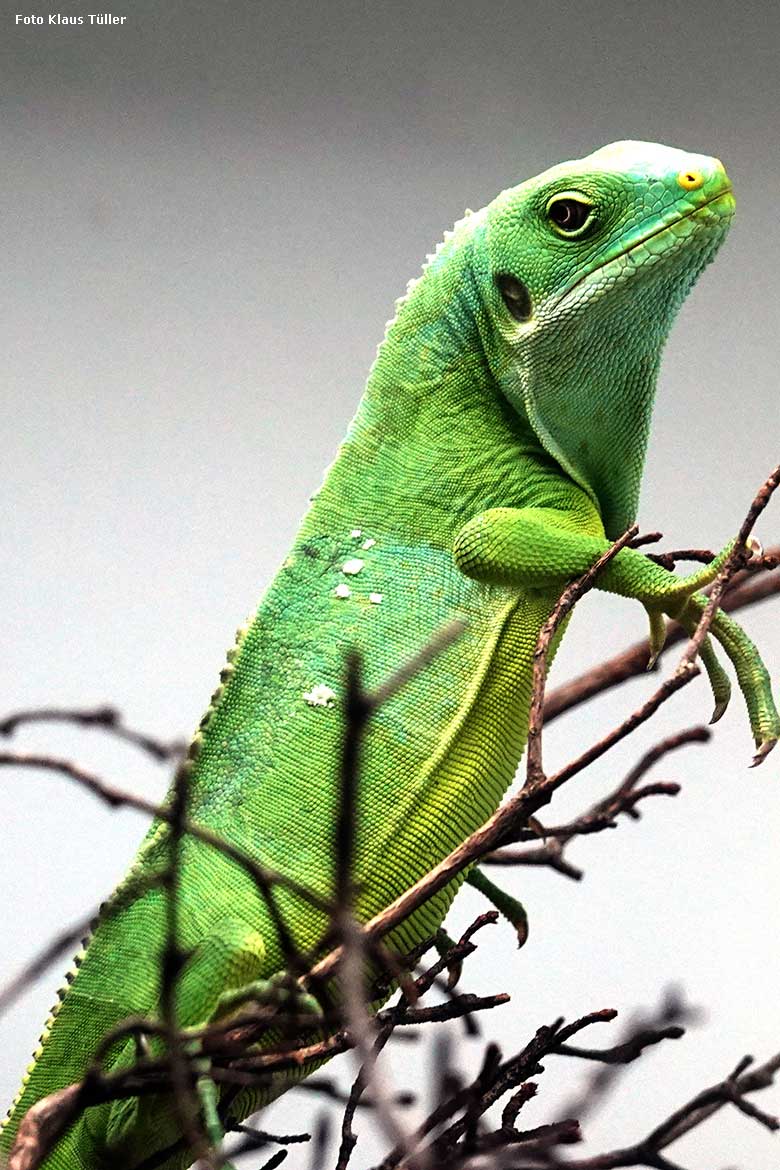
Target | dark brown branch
(456,955)
(571,594)
(275,1160)
(326,1087)
(673,1010)
(452,1146)
(348,1135)
(258,1139)
(185,1100)
(602,815)
(649,1151)
(368,1035)
(105,718)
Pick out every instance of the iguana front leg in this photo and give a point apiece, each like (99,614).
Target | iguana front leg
(221,974)
(540,548)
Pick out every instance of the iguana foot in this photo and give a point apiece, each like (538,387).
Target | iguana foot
(763,751)
(752,675)
(507,906)
(273,992)
(680,599)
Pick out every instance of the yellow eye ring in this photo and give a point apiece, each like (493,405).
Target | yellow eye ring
(691,180)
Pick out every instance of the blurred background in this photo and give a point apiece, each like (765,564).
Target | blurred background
(208,213)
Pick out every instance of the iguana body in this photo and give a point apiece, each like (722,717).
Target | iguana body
(497,449)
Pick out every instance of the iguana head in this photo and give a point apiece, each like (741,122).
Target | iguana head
(583,270)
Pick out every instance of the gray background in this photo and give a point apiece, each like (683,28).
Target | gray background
(207,216)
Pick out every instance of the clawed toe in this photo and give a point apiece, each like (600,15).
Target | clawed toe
(763,751)
(755,549)
(719,710)
(657,636)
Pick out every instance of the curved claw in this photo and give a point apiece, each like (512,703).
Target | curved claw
(755,548)
(719,680)
(718,711)
(657,636)
(506,905)
(444,944)
(763,751)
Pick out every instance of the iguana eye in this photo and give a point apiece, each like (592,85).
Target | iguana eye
(569,215)
(515,296)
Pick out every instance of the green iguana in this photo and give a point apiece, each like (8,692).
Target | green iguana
(496,453)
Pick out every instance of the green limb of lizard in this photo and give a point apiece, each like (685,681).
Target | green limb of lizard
(538,548)
(444,944)
(228,959)
(752,675)
(507,906)
(720,683)
(273,992)
(657,635)
(542,548)
(208,1097)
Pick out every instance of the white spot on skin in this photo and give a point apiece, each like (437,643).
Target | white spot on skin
(356,533)
(353,567)
(342,590)
(375,598)
(368,543)
(320,696)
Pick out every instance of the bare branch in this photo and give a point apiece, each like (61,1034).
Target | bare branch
(571,594)
(648,1152)
(602,815)
(106,718)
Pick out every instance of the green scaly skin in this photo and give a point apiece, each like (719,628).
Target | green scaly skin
(497,451)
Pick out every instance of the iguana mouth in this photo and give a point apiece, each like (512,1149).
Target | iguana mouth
(725,192)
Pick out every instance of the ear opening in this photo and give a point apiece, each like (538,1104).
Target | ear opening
(515,295)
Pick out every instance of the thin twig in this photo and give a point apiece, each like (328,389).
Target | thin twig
(106,718)
(185,1101)
(367,1039)
(648,1152)
(571,594)
(602,815)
